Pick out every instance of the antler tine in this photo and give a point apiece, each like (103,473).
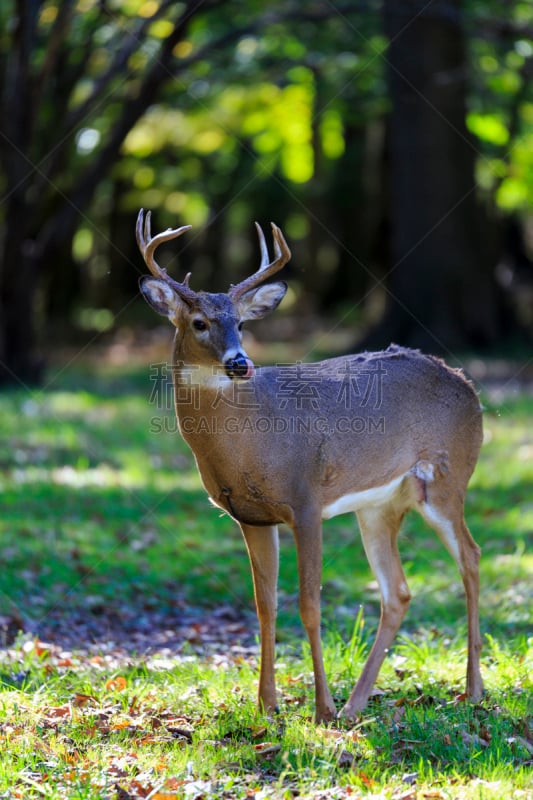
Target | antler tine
(262,245)
(282,254)
(148,245)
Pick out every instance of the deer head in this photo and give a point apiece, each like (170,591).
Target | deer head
(209,325)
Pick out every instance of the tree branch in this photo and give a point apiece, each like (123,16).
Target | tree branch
(133,41)
(164,68)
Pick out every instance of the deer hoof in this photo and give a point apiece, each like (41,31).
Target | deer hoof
(325,715)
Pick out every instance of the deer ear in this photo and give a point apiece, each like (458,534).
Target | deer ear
(160,296)
(258,302)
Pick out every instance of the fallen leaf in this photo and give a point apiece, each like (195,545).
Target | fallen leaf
(181,733)
(266,749)
(140,789)
(120,725)
(117,684)
(345,759)
(522,741)
(331,733)
(164,796)
(42,649)
(292,679)
(460,698)
(473,739)
(59,711)
(81,700)
(370,782)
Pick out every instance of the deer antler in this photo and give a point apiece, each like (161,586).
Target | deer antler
(148,245)
(281,255)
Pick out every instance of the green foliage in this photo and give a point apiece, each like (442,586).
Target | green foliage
(501,104)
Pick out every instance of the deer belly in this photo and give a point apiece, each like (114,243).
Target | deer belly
(354,501)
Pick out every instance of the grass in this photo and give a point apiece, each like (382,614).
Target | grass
(105,528)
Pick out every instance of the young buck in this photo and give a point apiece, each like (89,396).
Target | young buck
(374,433)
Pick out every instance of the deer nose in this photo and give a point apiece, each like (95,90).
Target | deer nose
(239,367)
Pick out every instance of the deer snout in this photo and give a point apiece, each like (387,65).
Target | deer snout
(239,366)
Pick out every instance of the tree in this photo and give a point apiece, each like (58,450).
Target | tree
(443,293)
(213,108)
(58,68)
(76,77)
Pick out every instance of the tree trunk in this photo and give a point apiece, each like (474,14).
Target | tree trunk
(355,215)
(18,360)
(442,289)
(20,363)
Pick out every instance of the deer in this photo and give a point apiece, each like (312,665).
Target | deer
(375,433)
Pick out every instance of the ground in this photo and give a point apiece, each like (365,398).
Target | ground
(129,663)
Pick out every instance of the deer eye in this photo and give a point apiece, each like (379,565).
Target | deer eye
(239,326)
(199,325)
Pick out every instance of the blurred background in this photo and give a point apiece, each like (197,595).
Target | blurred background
(392,140)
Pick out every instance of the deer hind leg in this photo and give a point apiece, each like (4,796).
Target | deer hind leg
(308,538)
(446,517)
(263,550)
(379,531)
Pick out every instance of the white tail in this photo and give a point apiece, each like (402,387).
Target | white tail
(374,433)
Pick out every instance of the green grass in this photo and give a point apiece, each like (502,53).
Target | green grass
(103,519)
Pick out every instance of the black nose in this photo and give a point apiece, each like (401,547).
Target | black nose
(238,367)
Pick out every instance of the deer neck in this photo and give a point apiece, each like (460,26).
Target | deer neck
(203,386)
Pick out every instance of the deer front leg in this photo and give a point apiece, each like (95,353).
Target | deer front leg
(263,550)
(379,530)
(308,539)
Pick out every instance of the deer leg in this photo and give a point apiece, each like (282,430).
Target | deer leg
(308,540)
(454,534)
(263,550)
(379,530)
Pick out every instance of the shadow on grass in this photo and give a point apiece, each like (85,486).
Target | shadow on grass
(151,568)
(105,523)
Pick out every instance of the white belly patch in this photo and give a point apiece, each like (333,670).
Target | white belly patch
(368,498)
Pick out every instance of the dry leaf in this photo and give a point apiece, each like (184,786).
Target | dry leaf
(520,740)
(119,726)
(331,733)
(266,749)
(42,649)
(460,698)
(164,796)
(345,759)
(369,782)
(81,700)
(473,739)
(117,684)
(59,711)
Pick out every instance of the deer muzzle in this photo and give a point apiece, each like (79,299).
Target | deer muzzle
(239,366)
